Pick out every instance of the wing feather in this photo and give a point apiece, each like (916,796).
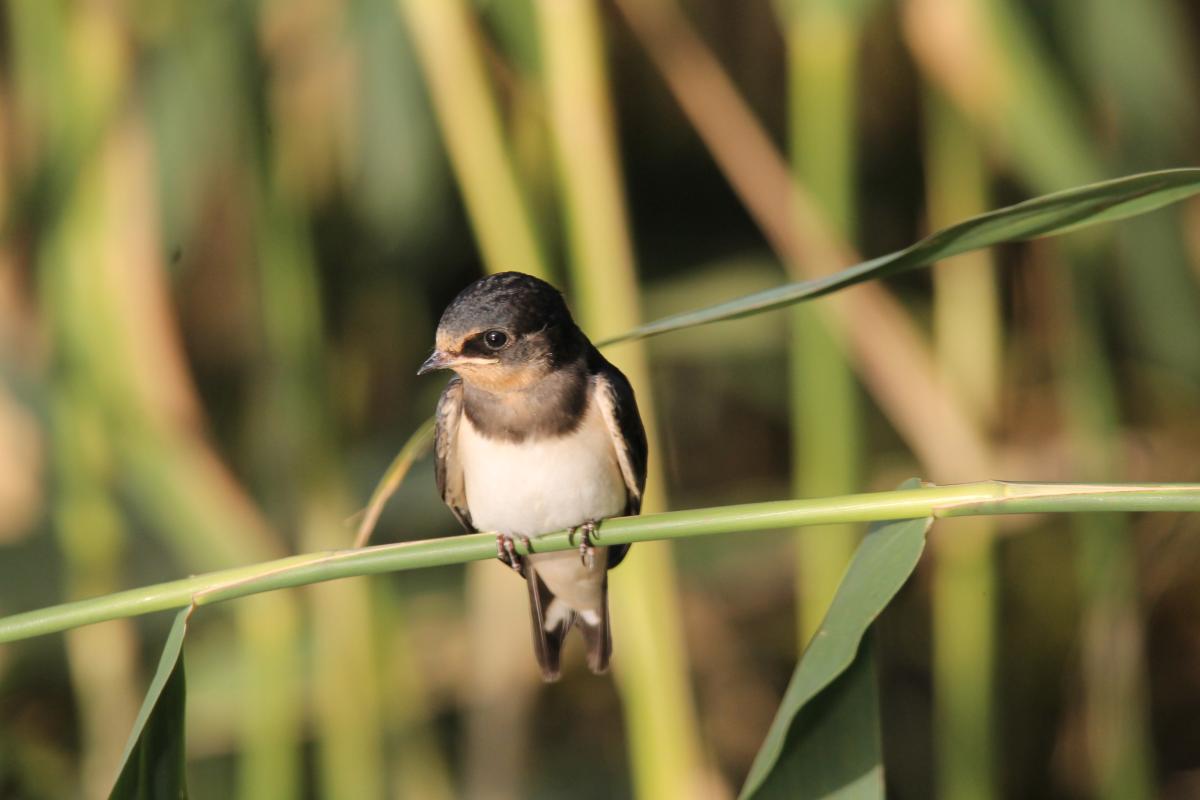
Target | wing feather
(447,468)
(615,399)
(618,406)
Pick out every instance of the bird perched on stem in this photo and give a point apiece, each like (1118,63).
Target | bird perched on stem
(537,433)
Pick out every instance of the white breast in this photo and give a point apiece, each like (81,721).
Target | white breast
(534,487)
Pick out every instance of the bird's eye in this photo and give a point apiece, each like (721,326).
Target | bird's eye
(495,339)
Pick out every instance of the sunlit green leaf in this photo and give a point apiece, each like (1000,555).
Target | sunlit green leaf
(824,741)
(1048,215)
(153,765)
(833,746)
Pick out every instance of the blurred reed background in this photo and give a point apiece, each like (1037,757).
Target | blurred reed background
(228,229)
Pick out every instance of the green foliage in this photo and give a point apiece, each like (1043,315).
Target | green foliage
(231,226)
(1050,215)
(153,765)
(824,740)
(832,747)
(831,698)
(825,737)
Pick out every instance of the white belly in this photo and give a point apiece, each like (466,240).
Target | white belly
(535,487)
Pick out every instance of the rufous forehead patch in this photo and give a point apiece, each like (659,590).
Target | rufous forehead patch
(452,343)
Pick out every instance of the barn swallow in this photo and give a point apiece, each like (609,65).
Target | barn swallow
(537,432)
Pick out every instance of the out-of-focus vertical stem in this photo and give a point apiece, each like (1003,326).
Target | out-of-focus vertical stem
(966,312)
(307,46)
(272,692)
(344,684)
(650,660)
(107,291)
(70,72)
(984,55)
(470,125)
(822,41)
(187,496)
(964,645)
(500,683)
(967,335)
(1116,731)
(1132,57)
(419,767)
(1116,728)
(893,361)
(22,459)
(1135,60)
(91,533)
(826,458)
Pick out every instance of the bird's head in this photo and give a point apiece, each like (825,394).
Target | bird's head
(504,333)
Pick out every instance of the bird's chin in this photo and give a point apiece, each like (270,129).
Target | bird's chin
(478,368)
(499,379)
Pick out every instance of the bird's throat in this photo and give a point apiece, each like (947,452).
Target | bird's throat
(551,406)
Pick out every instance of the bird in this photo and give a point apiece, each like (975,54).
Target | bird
(535,433)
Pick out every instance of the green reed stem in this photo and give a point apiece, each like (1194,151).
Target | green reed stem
(967,326)
(968,499)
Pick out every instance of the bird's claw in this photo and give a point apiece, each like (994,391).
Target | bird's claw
(506,549)
(587,547)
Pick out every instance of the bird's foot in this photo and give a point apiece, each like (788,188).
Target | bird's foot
(506,549)
(587,546)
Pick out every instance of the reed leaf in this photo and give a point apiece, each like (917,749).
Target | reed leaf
(153,764)
(825,737)
(416,446)
(1049,215)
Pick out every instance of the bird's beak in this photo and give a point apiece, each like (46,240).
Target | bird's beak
(438,360)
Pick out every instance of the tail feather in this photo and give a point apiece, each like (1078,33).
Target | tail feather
(551,620)
(547,644)
(597,635)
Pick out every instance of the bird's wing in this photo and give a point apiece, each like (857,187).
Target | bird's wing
(614,397)
(447,468)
